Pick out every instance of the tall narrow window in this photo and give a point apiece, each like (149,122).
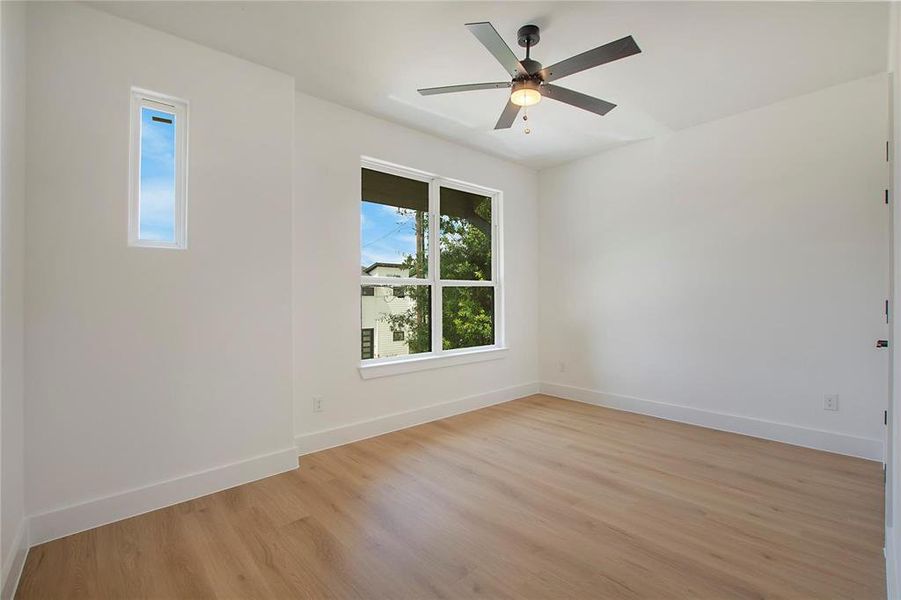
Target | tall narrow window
(158,177)
(429,256)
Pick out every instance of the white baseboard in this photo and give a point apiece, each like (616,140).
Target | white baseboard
(892,589)
(361,430)
(50,525)
(13,564)
(790,434)
(93,513)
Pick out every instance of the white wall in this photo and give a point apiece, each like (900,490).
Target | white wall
(147,365)
(736,267)
(12,218)
(330,142)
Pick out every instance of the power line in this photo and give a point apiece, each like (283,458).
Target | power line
(390,233)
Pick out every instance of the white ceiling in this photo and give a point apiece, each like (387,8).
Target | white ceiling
(700,61)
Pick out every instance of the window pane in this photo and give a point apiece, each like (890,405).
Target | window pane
(157,187)
(397,318)
(465,236)
(366,342)
(394,236)
(468,317)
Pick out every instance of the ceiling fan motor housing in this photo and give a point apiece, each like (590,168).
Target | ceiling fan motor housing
(531,66)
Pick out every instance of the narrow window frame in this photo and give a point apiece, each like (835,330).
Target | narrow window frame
(140,99)
(377,367)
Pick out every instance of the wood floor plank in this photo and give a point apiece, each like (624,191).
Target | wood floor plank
(535,498)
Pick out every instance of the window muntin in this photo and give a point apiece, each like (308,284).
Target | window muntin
(462,221)
(158,163)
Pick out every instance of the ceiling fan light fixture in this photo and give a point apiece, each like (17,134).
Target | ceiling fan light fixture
(525,93)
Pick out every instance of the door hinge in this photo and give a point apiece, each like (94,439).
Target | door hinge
(886,311)
(887,159)
(886,196)
(885,417)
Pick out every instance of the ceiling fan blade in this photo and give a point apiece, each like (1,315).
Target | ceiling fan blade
(508,116)
(601,55)
(577,99)
(491,39)
(468,87)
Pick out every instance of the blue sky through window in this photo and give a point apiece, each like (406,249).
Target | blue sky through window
(386,234)
(157,206)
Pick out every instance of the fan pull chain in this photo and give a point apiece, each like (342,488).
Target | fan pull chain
(525,117)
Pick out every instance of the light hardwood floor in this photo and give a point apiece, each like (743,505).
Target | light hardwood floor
(535,498)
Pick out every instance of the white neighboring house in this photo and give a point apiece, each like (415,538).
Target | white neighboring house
(376,338)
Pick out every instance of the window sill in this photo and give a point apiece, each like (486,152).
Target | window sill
(153,244)
(447,359)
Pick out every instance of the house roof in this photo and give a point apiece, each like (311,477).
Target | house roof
(382,264)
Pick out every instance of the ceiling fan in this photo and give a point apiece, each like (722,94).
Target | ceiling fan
(531,81)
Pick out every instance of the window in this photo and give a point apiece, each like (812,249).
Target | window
(429,254)
(366,343)
(158,171)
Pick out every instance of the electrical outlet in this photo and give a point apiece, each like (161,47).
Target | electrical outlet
(562,367)
(830,402)
(317,403)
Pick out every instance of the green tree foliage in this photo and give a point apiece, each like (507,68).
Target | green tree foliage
(468,312)
(467,315)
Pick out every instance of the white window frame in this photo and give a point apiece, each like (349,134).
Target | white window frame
(392,365)
(140,99)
